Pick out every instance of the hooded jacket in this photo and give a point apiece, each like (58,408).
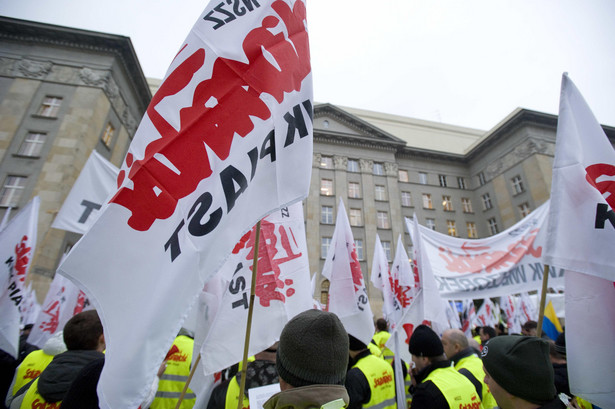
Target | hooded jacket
(310,397)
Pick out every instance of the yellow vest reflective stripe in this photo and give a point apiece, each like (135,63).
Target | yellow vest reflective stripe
(33,400)
(475,365)
(458,391)
(379,375)
(175,376)
(232,395)
(31,368)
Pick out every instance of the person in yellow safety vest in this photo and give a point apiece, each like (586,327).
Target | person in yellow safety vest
(85,341)
(370,381)
(261,371)
(437,384)
(36,361)
(176,374)
(380,339)
(519,373)
(467,362)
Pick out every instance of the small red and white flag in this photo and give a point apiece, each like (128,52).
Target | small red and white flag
(347,292)
(580,240)
(513,316)
(527,308)
(487,314)
(468,317)
(17,246)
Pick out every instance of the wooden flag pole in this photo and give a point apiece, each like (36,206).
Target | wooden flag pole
(244,366)
(181,397)
(543,298)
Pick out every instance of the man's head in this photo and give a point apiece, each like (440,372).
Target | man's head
(425,347)
(381,324)
(84,331)
(529,328)
(313,349)
(453,342)
(486,333)
(517,368)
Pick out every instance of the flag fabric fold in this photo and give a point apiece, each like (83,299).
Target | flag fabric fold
(225,141)
(580,240)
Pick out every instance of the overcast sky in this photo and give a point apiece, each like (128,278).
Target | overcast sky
(462,62)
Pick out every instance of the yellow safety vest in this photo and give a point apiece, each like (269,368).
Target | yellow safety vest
(381,338)
(458,391)
(583,404)
(475,365)
(175,376)
(33,400)
(30,368)
(379,375)
(232,396)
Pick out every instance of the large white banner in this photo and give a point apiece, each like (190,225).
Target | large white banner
(226,140)
(17,246)
(581,240)
(81,208)
(509,262)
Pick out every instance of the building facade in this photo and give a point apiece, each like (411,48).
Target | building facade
(63,93)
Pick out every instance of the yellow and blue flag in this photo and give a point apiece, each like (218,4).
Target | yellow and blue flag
(550,323)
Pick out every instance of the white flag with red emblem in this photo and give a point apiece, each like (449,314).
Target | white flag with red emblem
(17,245)
(527,308)
(90,192)
(30,307)
(513,317)
(64,299)
(486,314)
(347,292)
(581,239)
(225,141)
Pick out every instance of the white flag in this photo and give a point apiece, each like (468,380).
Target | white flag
(486,314)
(17,246)
(347,293)
(468,317)
(81,208)
(226,140)
(64,299)
(527,308)
(581,238)
(513,317)
(30,306)
(282,289)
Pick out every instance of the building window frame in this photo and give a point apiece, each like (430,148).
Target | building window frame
(378,169)
(355,217)
(358,245)
(442,180)
(380,193)
(481,179)
(354,190)
(352,165)
(422,178)
(326,162)
(427,202)
(451,228)
(32,144)
(430,223)
(524,209)
(107,136)
(461,182)
(517,185)
(326,187)
(12,190)
(403,176)
(472,232)
(487,204)
(325,245)
(466,204)
(50,107)
(386,246)
(447,203)
(382,219)
(493,226)
(406,199)
(326,214)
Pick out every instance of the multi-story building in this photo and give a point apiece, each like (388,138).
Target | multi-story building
(65,92)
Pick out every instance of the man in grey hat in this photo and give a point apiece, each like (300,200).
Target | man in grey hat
(312,359)
(519,373)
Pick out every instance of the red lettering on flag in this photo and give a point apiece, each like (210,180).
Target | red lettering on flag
(605,187)
(22,252)
(222,106)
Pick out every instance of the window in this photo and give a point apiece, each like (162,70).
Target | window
(517,185)
(325,243)
(442,179)
(353,165)
(427,201)
(12,191)
(354,190)
(406,199)
(430,223)
(422,178)
(358,245)
(466,203)
(380,192)
(108,135)
(326,162)
(524,209)
(403,176)
(447,204)
(487,201)
(326,214)
(481,179)
(386,245)
(382,220)
(356,217)
(326,187)
(451,228)
(33,144)
(493,226)
(378,169)
(461,182)
(50,107)
(472,234)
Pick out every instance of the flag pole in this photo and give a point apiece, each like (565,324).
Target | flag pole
(543,297)
(244,366)
(181,397)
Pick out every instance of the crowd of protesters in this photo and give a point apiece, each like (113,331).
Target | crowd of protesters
(317,364)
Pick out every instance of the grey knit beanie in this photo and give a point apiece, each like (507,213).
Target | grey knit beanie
(313,349)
